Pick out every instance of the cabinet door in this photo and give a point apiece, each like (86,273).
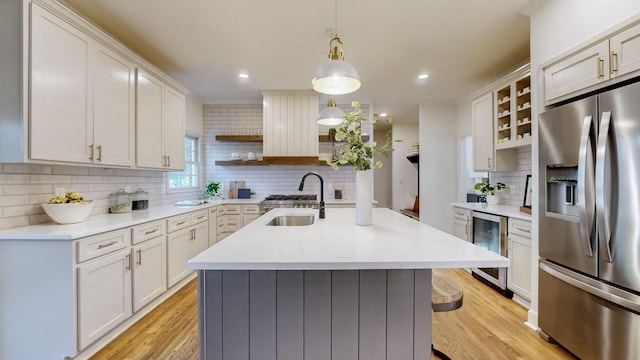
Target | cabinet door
(460,229)
(625,52)
(200,240)
(173,129)
(113,108)
(578,72)
(59,83)
(246,219)
(213,226)
(482,117)
(149,271)
(178,252)
(104,296)
(519,271)
(149,150)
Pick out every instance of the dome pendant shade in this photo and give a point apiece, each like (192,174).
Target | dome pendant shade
(334,76)
(331,115)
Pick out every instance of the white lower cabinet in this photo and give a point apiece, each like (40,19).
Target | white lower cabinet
(213,226)
(462,223)
(104,295)
(519,271)
(185,243)
(149,271)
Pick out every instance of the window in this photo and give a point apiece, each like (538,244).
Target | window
(189,179)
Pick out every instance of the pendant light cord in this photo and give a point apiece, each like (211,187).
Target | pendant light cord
(336,20)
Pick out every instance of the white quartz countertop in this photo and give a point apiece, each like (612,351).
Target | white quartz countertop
(502,210)
(102,223)
(336,243)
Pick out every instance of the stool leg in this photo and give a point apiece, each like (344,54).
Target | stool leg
(439,354)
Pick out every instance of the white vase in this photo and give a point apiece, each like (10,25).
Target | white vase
(493,199)
(364,197)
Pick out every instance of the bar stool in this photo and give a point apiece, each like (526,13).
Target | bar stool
(446,295)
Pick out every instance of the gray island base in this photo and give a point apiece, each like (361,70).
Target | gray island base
(330,290)
(315,314)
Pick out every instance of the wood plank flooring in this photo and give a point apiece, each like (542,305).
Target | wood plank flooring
(487,326)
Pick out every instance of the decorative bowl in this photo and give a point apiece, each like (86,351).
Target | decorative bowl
(68,213)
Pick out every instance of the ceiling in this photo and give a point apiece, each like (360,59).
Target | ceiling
(204,44)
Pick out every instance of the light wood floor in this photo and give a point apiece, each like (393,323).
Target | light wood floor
(487,326)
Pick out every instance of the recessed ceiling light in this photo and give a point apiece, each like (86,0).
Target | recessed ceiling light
(243,76)
(423,76)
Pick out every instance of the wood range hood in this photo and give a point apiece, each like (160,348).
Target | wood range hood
(290,131)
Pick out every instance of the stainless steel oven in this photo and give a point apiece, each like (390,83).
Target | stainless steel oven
(490,232)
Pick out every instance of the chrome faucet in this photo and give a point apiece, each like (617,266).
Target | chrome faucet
(321,216)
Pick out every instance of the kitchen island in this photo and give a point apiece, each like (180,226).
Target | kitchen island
(329,290)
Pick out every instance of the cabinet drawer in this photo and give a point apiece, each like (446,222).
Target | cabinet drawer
(520,227)
(461,214)
(178,222)
(233,223)
(147,231)
(198,216)
(232,209)
(94,246)
(251,209)
(246,219)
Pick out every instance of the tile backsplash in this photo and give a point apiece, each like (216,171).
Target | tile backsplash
(24,187)
(246,119)
(515,180)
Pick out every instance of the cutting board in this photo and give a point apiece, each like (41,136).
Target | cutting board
(233,188)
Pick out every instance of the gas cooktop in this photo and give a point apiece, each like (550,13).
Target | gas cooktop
(301,197)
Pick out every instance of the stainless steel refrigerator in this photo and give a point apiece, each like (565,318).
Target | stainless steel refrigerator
(589,224)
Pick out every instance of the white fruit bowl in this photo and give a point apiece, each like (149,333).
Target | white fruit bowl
(68,213)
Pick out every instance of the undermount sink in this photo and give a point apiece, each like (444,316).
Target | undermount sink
(191,202)
(292,220)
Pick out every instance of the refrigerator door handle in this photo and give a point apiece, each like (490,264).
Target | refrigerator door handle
(585,187)
(604,229)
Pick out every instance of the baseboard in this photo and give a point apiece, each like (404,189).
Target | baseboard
(532,320)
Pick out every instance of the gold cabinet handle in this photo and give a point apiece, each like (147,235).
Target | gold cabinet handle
(600,64)
(164,160)
(91,149)
(139,262)
(168,161)
(523,230)
(613,62)
(102,246)
(128,262)
(99,147)
(181,222)
(200,217)
(150,231)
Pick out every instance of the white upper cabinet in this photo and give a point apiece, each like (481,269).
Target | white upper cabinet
(577,72)
(113,108)
(290,128)
(482,118)
(159,124)
(614,58)
(59,89)
(77,86)
(82,96)
(625,52)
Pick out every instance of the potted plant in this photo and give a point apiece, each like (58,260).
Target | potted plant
(212,190)
(490,191)
(358,152)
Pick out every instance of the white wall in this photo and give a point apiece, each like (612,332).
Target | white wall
(405,174)
(557,27)
(382,188)
(438,163)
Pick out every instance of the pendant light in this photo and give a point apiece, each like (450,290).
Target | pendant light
(334,76)
(331,115)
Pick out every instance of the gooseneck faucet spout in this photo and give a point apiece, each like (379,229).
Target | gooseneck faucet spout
(321,216)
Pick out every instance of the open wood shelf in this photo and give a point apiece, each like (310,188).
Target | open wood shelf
(239,138)
(240,163)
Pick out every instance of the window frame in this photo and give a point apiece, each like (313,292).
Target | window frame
(197,163)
